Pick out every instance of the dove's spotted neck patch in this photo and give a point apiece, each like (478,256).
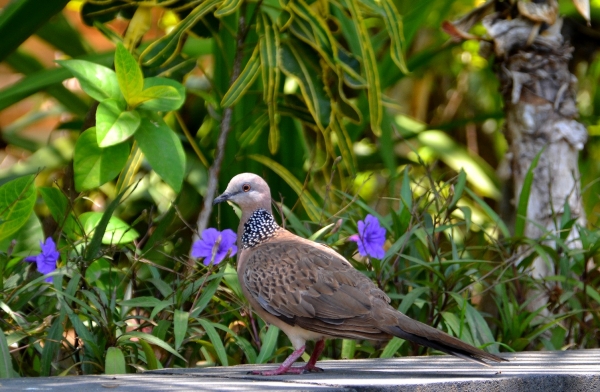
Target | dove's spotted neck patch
(258,228)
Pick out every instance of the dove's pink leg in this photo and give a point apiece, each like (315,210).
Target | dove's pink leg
(286,366)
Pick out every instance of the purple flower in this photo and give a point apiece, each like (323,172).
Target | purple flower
(215,245)
(370,238)
(46,261)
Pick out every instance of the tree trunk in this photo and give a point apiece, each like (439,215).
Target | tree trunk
(539,96)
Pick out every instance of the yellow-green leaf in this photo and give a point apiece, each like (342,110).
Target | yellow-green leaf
(244,81)
(297,65)
(269,44)
(369,66)
(164,50)
(227,7)
(129,74)
(309,203)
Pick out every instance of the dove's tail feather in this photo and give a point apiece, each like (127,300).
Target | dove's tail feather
(438,340)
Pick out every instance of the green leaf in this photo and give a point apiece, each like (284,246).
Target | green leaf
(99,82)
(6,369)
(227,7)
(180,324)
(391,348)
(17,198)
(20,19)
(59,208)
(248,75)
(521,219)
(95,166)
(52,343)
(393,25)
(116,232)
(151,360)
(114,124)
(348,348)
(94,246)
(129,74)
(297,65)
(369,66)
(215,340)
(269,45)
(163,150)
(459,188)
(43,80)
(115,361)
(165,49)
(309,203)
(152,340)
(268,344)
(170,96)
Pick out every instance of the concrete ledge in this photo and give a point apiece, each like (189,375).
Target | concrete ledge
(569,371)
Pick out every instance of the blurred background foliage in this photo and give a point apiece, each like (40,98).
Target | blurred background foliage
(416,119)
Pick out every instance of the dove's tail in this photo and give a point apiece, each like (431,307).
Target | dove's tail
(415,331)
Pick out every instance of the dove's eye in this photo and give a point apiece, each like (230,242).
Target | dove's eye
(246,187)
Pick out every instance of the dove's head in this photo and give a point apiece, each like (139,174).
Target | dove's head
(249,191)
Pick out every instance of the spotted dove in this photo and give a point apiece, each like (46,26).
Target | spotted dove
(311,292)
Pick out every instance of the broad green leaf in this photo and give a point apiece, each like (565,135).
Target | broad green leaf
(115,361)
(309,203)
(247,77)
(95,166)
(6,369)
(269,46)
(20,19)
(129,75)
(150,339)
(297,65)
(43,80)
(117,231)
(391,348)
(165,49)
(114,124)
(180,325)
(170,96)
(163,150)
(369,65)
(27,239)
(17,198)
(165,92)
(268,344)
(99,82)
(521,218)
(227,7)
(215,340)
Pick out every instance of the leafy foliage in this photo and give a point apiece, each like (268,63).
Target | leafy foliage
(314,95)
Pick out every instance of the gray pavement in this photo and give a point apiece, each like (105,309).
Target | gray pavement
(569,371)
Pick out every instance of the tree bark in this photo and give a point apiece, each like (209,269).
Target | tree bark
(539,96)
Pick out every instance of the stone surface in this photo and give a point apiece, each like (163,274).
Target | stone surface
(568,371)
